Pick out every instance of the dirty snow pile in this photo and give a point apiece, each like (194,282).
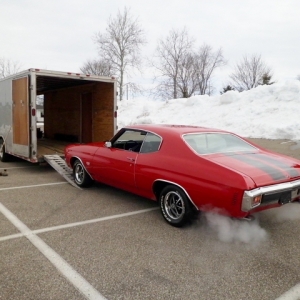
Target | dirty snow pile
(264,112)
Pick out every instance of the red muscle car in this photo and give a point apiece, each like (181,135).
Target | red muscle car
(189,169)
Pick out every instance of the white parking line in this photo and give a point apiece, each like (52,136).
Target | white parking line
(58,227)
(84,287)
(10,168)
(292,294)
(30,186)
(12,236)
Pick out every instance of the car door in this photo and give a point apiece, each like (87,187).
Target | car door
(115,165)
(149,164)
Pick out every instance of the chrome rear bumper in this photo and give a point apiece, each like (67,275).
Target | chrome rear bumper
(276,190)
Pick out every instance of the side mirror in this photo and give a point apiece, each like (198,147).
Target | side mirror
(108,144)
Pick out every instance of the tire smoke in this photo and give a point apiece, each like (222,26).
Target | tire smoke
(233,230)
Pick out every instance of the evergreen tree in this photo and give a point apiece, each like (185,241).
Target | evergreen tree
(265,79)
(227,88)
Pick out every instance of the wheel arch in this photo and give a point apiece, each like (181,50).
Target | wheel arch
(73,160)
(160,184)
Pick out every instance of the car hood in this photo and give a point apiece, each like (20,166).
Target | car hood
(263,168)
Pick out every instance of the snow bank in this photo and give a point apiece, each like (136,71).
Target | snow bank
(264,112)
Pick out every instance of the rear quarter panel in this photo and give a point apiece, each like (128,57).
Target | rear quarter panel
(207,184)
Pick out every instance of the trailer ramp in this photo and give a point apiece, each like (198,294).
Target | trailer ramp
(59,164)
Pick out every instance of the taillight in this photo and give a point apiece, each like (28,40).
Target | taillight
(256,201)
(250,201)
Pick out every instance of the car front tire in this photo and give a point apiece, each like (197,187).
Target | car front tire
(175,206)
(81,177)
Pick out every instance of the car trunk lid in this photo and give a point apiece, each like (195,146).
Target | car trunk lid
(264,169)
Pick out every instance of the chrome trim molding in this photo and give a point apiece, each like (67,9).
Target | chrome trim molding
(179,187)
(83,166)
(281,187)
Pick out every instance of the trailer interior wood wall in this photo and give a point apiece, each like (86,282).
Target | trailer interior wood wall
(82,113)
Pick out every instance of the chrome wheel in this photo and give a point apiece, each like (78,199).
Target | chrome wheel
(79,173)
(174,205)
(81,177)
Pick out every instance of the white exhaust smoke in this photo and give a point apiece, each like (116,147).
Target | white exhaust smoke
(232,230)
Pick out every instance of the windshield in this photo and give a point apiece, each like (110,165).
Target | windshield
(208,143)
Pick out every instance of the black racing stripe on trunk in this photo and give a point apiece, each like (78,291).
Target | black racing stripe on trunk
(272,172)
(280,164)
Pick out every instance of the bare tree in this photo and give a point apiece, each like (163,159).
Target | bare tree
(184,71)
(206,62)
(249,73)
(187,76)
(98,67)
(8,67)
(120,44)
(171,55)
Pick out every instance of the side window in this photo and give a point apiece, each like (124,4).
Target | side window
(130,140)
(151,143)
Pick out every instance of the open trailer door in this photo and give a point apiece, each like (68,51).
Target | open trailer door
(20,128)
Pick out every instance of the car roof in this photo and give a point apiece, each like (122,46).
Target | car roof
(176,129)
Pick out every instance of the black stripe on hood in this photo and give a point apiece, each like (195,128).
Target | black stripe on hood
(280,164)
(250,160)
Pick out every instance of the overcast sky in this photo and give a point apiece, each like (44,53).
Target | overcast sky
(57,34)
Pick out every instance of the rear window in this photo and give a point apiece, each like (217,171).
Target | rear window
(208,143)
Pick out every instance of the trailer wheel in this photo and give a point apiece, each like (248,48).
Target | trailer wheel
(4,157)
(81,177)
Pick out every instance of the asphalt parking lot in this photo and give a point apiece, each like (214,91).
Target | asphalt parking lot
(60,242)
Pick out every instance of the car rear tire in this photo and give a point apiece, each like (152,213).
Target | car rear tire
(175,206)
(81,177)
(4,157)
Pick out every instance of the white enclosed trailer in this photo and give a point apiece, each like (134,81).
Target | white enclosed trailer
(77,108)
